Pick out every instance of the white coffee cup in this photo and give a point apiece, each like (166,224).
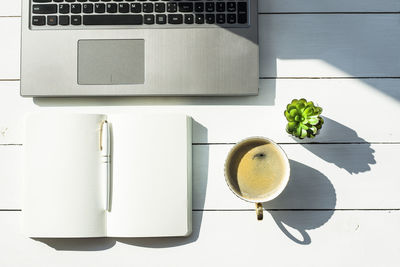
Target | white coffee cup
(257,170)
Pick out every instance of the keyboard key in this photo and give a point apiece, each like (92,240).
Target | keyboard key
(161,19)
(76,8)
(172,7)
(185,7)
(44,9)
(210,18)
(52,20)
(175,18)
(242,7)
(41,1)
(189,18)
(147,7)
(231,18)
(136,7)
(220,6)
(38,20)
(159,7)
(231,6)
(242,19)
(123,8)
(112,19)
(199,7)
(148,19)
(242,12)
(63,8)
(210,7)
(76,20)
(63,20)
(87,8)
(111,8)
(99,8)
(220,18)
(199,19)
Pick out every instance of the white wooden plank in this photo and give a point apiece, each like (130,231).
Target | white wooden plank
(335,45)
(348,106)
(323,177)
(10,177)
(345,238)
(12,110)
(10,8)
(328,6)
(9,47)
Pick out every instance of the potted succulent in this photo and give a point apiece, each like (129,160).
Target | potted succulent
(303,118)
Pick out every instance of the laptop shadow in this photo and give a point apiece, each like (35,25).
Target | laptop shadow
(266,97)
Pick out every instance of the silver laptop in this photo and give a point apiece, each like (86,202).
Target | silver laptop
(139,47)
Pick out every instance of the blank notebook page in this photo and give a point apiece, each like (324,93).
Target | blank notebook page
(63,193)
(151,178)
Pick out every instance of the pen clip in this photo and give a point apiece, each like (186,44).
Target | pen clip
(101,134)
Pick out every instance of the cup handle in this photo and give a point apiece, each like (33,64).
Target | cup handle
(259,211)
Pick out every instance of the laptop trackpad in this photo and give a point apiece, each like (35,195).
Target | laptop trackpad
(110,62)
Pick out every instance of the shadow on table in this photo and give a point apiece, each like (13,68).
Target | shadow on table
(354,158)
(200,179)
(265,97)
(307,189)
(78,244)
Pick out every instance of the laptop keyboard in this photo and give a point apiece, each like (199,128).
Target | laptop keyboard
(139,13)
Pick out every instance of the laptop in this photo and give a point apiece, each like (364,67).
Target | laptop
(139,48)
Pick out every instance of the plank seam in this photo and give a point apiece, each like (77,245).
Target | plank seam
(312,143)
(10,144)
(332,13)
(285,78)
(328,78)
(238,210)
(393,209)
(282,143)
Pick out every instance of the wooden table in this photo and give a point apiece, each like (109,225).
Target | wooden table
(341,207)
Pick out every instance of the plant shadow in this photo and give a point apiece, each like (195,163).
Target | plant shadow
(356,157)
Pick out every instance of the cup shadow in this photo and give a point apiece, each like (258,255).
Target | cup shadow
(200,177)
(358,155)
(307,202)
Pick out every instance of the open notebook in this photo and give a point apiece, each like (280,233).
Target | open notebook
(66,191)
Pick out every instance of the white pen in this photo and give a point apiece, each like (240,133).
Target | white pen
(105,158)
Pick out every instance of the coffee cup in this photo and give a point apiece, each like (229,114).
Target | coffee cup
(257,170)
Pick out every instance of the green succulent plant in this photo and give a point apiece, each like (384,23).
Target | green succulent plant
(304,118)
